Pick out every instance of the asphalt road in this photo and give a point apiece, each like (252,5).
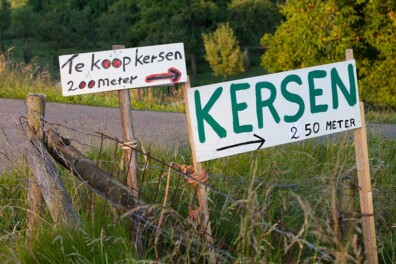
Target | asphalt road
(158,129)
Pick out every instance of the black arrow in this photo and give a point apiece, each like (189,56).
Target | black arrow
(260,140)
(173,74)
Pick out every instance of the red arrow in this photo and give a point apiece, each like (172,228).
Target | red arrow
(173,74)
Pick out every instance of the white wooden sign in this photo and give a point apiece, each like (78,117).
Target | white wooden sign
(122,69)
(248,114)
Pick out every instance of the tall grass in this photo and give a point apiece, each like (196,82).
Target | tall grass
(276,205)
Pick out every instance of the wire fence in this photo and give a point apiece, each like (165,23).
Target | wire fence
(227,210)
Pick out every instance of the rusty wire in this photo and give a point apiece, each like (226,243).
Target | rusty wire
(164,166)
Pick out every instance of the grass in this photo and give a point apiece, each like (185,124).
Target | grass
(385,117)
(288,188)
(253,197)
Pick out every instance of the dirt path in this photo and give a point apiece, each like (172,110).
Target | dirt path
(159,129)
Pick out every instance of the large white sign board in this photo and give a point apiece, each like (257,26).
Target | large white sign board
(122,69)
(248,114)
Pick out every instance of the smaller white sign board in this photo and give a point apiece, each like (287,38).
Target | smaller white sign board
(245,115)
(122,69)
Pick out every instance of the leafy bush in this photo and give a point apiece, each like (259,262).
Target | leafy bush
(223,52)
(318,32)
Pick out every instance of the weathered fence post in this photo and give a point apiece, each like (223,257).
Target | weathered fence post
(35,113)
(365,193)
(44,181)
(130,157)
(51,186)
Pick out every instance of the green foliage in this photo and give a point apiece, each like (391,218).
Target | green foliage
(5,16)
(313,33)
(199,16)
(157,22)
(250,19)
(223,52)
(318,32)
(19,27)
(117,22)
(378,72)
(17,3)
(63,26)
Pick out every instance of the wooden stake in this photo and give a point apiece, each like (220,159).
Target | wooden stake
(128,135)
(35,113)
(201,191)
(365,193)
(51,186)
(130,158)
(44,181)
(347,210)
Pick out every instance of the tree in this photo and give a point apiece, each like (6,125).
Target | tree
(250,19)
(378,85)
(39,5)
(25,30)
(19,26)
(223,52)
(5,19)
(175,21)
(64,27)
(156,23)
(314,32)
(117,22)
(196,17)
(318,32)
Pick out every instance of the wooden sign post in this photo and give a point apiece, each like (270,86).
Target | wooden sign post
(119,70)
(365,193)
(201,190)
(130,157)
(128,135)
(250,114)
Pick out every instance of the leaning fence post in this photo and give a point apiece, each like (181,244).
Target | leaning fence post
(201,190)
(51,186)
(35,114)
(130,157)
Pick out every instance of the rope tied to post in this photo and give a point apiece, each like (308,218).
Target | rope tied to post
(194,179)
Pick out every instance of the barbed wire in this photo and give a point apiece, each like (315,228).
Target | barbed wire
(163,166)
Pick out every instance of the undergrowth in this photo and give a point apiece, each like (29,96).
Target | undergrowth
(276,205)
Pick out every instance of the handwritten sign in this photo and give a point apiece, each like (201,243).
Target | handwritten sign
(249,114)
(122,69)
